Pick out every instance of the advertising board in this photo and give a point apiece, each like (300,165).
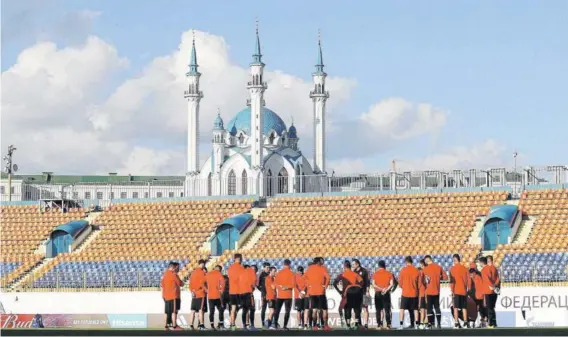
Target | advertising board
(516,307)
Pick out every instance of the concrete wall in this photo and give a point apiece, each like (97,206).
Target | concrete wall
(148,302)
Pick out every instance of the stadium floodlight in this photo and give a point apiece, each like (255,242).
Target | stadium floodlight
(10,167)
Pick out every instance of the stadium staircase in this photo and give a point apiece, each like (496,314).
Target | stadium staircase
(92,216)
(258,231)
(477,227)
(257,211)
(206,246)
(487,252)
(93,235)
(95,231)
(28,275)
(525,230)
(255,236)
(514,202)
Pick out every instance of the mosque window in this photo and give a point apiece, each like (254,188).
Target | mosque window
(271,138)
(232,183)
(269,183)
(244,183)
(283,181)
(299,182)
(209,187)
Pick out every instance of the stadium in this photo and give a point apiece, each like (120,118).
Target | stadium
(91,254)
(113,255)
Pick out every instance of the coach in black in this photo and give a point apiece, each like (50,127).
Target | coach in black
(226,297)
(262,288)
(364,273)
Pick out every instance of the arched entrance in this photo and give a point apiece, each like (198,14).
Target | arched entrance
(228,233)
(498,226)
(495,232)
(225,237)
(63,236)
(283,181)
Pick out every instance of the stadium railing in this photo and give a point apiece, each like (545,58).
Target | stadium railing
(552,274)
(402,181)
(150,280)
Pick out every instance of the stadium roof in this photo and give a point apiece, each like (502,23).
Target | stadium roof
(50,178)
(72,228)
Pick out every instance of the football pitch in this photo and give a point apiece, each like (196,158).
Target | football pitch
(560,331)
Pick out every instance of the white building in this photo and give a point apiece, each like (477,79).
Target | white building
(255,153)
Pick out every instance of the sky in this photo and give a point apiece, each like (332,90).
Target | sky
(91,87)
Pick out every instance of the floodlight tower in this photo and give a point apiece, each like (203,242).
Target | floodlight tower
(10,168)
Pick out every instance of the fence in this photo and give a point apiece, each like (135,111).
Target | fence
(98,193)
(534,273)
(143,279)
(101,193)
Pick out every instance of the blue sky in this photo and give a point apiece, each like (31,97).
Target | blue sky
(498,69)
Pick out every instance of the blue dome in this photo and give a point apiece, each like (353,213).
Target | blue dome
(292,132)
(242,122)
(218,124)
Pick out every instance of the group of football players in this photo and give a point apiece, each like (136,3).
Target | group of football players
(306,290)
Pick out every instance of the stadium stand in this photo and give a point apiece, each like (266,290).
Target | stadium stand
(137,239)
(544,257)
(24,227)
(380,226)
(136,242)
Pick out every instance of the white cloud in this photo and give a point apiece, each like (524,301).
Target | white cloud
(145,161)
(482,155)
(383,127)
(347,166)
(399,119)
(53,113)
(486,154)
(156,96)
(54,110)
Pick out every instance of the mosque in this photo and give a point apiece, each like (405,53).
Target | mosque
(255,153)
